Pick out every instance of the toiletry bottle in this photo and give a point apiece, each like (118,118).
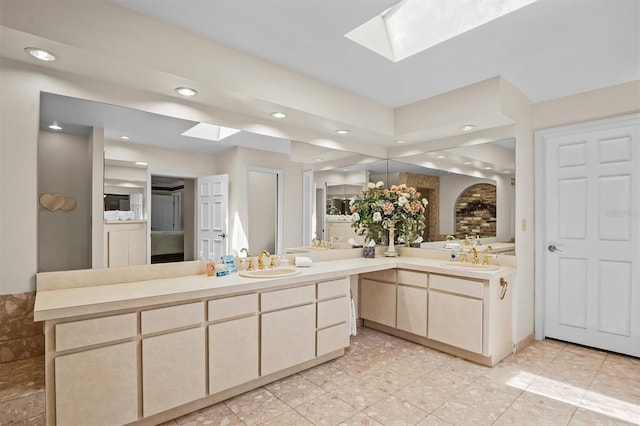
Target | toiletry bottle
(211,267)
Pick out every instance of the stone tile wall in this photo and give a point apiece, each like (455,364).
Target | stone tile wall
(429,187)
(20,337)
(479,221)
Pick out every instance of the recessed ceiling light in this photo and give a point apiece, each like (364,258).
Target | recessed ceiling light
(278,114)
(125,137)
(488,168)
(466,163)
(319,159)
(186,91)
(41,54)
(441,156)
(400,142)
(506,172)
(345,170)
(468,127)
(342,131)
(55,126)
(141,163)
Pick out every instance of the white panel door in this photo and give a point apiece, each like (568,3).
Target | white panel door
(592,235)
(212,229)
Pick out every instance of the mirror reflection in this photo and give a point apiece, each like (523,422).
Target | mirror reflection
(149,189)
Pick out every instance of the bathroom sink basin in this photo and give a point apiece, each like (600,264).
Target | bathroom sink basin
(270,273)
(469,266)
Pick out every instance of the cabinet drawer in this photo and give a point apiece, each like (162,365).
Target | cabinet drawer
(332,338)
(386,275)
(285,298)
(172,317)
(456,285)
(232,306)
(77,334)
(333,312)
(333,288)
(418,279)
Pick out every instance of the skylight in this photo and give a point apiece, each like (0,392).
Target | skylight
(210,132)
(412,26)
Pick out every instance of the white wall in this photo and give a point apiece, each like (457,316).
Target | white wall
(234,163)
(64,167)
(262,192)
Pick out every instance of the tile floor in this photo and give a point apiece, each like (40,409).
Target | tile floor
(389,381)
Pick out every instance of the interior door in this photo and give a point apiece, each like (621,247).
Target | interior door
(591,243)
(212,229)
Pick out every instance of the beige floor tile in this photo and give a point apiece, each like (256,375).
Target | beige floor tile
(432,390)
(464,368)
(535,410)
(388,381)
(218,414)
(393,411)
(295,390)
(358,393)
(476,405)
(334,379)
(616,408)
(257,406)
(586,417)
(360,419)
(433,420)
(326,410)
(548,383)
(616,386)
(288,418)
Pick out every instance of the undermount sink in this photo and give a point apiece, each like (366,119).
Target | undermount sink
(469,266)
(270,273)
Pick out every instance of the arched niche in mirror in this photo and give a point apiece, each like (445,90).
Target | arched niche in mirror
(475,211)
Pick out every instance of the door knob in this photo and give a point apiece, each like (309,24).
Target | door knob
(223,235)
(552,248)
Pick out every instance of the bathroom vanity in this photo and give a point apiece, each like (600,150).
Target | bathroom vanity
(146,344)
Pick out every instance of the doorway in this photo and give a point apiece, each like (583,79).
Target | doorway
(264,209)
(172,219)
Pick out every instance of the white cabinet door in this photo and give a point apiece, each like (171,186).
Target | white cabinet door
(288,338)
(173,370)
(233,353)
(412,310)
(378,302)
(455,320)
(98,386)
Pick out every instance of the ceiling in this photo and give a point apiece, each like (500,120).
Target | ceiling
(323,80)
(549,49)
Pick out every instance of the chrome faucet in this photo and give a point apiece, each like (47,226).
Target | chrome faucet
(260,261)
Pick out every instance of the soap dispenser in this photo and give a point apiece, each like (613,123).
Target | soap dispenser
(211,267)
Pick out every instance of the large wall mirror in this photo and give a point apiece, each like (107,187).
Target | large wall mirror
(471,190)
(171,179)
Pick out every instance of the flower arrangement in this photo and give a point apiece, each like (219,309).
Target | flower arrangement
(375,209)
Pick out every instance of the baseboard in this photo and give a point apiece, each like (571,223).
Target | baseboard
(519,347)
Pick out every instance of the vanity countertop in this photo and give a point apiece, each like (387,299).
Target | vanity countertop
(70,302)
